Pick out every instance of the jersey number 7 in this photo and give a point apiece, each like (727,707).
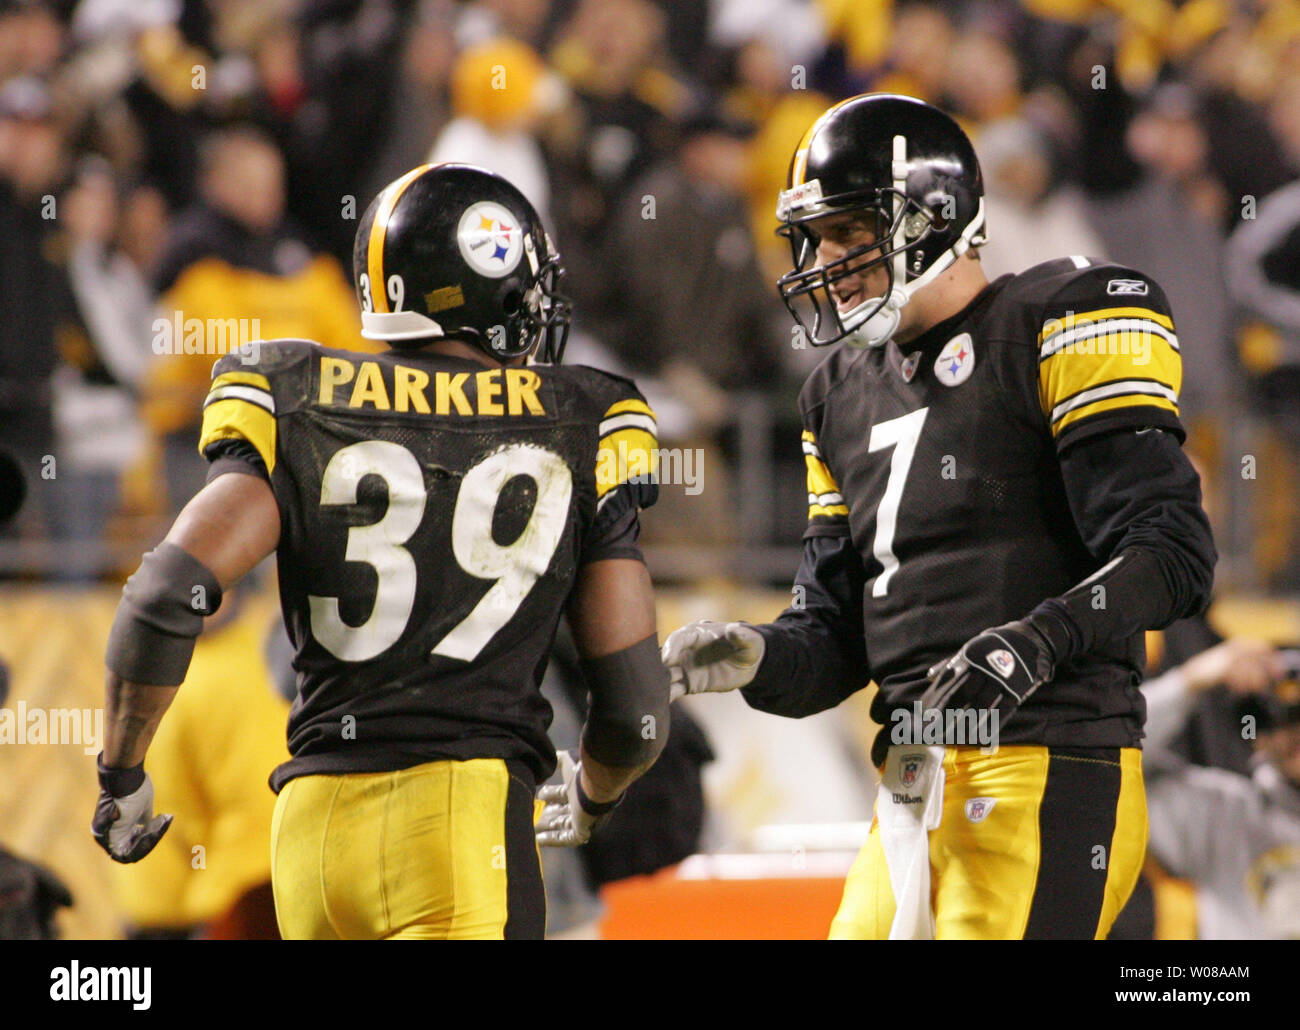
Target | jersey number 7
(514,568)
(902,434)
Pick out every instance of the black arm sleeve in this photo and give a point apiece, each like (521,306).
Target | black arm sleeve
(628,718)
(234,455)
(815,654)
(614,538)
(1136,501)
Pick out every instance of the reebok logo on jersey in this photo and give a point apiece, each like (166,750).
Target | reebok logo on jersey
(1003,663)
(1127,288)
(956,361)
(978,809)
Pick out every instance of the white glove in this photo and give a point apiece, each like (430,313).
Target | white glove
(124,824)
(709,656)
(566,822)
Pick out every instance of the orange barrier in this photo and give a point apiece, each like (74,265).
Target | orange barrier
(671,906)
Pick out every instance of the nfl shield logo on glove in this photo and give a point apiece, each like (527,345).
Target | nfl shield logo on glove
(910,766)
(1003,664)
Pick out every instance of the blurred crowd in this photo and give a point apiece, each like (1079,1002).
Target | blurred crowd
(169,160)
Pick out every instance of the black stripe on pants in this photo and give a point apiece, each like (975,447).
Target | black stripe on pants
(1076,817)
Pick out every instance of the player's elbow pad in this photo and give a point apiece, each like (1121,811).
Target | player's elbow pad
(161,613)
(628,722)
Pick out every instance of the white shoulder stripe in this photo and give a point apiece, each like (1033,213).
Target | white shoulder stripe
(1080,261)
(630,420)
(252,394)
(1116,389)
(1127,332)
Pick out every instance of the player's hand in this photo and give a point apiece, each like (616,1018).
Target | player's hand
(709,656)
(570,817)
(996,670)
(124,823)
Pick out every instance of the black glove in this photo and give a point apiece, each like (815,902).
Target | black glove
(124,823)
(996,670)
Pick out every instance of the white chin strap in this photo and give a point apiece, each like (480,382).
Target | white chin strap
(883,323)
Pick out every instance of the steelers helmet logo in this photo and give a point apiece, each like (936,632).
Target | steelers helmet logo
(491,239)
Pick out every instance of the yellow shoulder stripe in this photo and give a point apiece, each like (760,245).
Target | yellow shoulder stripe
(631,404)
(242,379)
(630,453)
(829,511)
(820,480)
(1065,375)
(1074,318)
(232,418)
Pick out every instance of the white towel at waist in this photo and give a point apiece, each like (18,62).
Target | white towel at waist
(908,807)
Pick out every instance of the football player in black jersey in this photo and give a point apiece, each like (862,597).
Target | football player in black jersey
(999,506)
(434,509)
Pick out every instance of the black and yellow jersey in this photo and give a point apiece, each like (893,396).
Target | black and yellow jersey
(941,460)
(434,515)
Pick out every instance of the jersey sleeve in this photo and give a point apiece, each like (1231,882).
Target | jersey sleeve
(240,406)
(828,515)
(1108,356)
(627,462)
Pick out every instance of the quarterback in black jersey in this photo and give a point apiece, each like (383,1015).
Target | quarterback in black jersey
(999,507)
(434,509)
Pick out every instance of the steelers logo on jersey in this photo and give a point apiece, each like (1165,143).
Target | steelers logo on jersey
(956,361)
(491,239)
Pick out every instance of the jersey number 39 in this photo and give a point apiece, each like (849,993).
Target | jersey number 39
(513,568)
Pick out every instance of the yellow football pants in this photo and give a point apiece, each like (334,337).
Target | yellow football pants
(1055,855)
(439,851)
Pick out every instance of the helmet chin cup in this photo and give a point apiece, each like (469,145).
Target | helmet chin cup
(883,322)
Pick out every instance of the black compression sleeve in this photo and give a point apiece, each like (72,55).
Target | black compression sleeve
(814,653)
(234,455)
(627,723)
(615,539)
(1136,501)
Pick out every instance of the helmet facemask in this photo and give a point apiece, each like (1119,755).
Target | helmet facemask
(900,226)
(546,312)
(537,314)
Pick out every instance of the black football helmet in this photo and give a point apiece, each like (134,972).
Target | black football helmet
(451,250)
(911,170)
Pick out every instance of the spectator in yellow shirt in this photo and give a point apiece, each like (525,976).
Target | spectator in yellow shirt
(225,732)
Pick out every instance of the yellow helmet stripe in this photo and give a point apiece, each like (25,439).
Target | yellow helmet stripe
(378,230)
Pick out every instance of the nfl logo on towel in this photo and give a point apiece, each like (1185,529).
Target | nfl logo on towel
(911,766)
(956,361)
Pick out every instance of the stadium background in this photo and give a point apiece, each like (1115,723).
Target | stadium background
(167,160)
